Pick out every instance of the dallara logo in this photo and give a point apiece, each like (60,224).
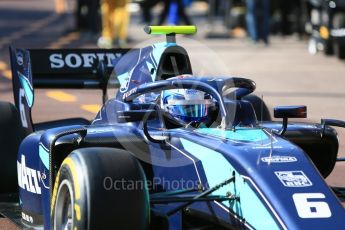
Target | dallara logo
(279,159)
(85,60)
(28,178)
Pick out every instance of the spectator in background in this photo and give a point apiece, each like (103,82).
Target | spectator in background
(87,16)
(179,7)
(291,16)
(257,18)
(146,6)
(60,6)
(115,20)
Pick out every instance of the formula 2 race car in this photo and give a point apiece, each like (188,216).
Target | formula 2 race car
(169,151)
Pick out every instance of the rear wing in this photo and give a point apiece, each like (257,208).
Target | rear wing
(64,68)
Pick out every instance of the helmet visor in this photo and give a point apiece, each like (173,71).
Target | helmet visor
(188,113)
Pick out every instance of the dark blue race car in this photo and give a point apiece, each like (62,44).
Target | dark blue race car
(170,151)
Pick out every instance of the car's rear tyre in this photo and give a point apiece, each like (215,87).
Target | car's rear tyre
(96,188)
(11,134)
(338,23)
(261,110)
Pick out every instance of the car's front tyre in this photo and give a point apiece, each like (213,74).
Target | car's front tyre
(64,214)
(85,195)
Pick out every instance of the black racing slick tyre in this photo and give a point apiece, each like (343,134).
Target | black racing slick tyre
(261,110)
(100,188)
(338,23)
(11,134)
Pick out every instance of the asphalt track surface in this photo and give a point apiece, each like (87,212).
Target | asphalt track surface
(284,71)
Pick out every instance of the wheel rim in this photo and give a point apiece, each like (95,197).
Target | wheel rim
(64,215)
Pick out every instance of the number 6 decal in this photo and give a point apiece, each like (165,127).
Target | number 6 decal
(306,208)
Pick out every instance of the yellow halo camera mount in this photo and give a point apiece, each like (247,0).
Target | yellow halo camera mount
(170,31)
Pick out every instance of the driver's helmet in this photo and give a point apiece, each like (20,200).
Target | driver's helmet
(187,105)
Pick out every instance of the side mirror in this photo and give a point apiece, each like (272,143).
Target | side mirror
(136,115)
(299,111)
(286,112)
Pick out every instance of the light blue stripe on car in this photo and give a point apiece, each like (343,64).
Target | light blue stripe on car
(240,134)
(44,156)
(29,93)
(218,169)
(123,78)
(158,50)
